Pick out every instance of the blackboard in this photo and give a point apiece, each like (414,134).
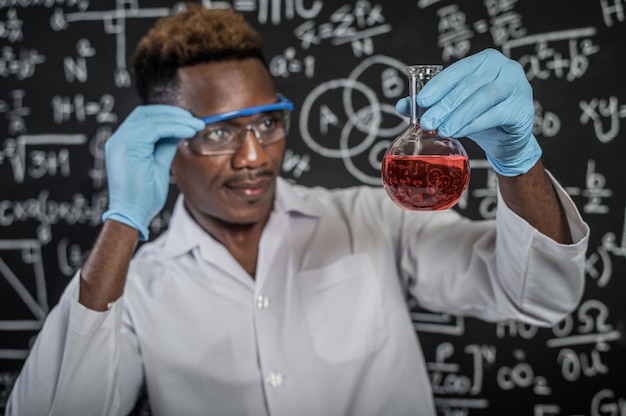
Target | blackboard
(65,86)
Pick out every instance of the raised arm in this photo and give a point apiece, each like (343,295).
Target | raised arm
(103,275)
(83,358)
(532,197)
(138,159)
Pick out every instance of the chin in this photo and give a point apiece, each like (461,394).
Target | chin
(247,215)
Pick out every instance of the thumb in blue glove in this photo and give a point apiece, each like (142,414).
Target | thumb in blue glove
(487,98)
(138,159)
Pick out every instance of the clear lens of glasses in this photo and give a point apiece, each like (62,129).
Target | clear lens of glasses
(226,137)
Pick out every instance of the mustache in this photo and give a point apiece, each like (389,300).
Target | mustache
(250,176)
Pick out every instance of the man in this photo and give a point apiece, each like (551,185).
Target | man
(265,298)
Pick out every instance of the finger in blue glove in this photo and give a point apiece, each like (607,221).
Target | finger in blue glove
(138,159)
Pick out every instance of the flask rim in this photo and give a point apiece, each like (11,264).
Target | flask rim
(424,71)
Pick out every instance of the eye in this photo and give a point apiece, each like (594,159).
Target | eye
(216,135)
(269,123)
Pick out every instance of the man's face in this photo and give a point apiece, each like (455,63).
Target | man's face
(235,188)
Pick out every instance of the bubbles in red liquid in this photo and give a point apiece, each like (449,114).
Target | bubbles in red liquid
(425,183)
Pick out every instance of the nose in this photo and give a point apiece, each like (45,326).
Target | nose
(251,153)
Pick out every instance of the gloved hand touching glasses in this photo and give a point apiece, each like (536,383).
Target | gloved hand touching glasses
(138,159)
(487,98)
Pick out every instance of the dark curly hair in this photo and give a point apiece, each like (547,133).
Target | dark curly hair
(196,35)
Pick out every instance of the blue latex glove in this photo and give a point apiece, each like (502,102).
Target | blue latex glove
(487,98)
(138,159)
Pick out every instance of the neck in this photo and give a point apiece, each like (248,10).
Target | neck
(241,240)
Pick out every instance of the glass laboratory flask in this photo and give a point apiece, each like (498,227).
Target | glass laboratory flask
(422,171)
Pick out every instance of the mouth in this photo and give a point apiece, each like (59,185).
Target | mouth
(249,189)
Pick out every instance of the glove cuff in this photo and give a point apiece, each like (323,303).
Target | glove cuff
(119,217)
(521,163)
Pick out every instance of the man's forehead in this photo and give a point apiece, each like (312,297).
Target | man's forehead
(220,87)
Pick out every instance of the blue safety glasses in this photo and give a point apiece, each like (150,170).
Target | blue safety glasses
(222,136)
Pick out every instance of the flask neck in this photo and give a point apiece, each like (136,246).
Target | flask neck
(419,75)
(414,88)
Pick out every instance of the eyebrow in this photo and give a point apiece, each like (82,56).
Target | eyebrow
(234,121)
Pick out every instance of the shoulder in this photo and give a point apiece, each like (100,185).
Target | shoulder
(353,197)
(355,207)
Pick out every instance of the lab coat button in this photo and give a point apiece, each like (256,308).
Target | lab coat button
(275,379)
(262,302)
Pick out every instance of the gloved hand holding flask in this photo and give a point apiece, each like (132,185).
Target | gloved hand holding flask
(487,98)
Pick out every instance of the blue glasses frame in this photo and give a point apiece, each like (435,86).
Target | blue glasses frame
(282,104)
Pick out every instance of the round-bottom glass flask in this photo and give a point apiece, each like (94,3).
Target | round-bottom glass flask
(421,170)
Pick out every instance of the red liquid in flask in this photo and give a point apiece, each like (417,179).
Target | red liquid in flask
(425,182)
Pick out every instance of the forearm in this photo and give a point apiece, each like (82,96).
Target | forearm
(532,197)
(499,270)
(103,275)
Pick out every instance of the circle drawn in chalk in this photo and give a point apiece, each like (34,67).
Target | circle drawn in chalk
(377,149)
(357,72)
(355,117)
